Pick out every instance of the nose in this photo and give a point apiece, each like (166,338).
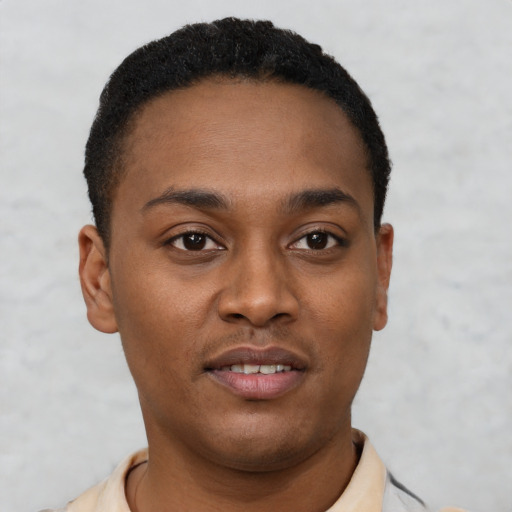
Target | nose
(258,291)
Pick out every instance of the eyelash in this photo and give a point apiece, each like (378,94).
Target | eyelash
(208,239)
(338,241)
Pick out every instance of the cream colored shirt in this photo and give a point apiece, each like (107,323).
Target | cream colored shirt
(371,488)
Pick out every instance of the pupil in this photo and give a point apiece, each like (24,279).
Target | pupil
(317,240)
(194,241)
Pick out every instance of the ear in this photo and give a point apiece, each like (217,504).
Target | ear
(384,264)
(95,280)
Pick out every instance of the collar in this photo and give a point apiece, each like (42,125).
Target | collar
(365,490)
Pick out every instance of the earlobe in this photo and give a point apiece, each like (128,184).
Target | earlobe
(95,280)
(384,264)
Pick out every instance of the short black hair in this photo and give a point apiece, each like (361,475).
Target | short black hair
(232,48)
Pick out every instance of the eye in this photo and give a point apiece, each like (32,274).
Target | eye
(317,241)
(194,241)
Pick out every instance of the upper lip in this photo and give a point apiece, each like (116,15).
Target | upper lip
(254,355)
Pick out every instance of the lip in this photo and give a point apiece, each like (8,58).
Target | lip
(257,386)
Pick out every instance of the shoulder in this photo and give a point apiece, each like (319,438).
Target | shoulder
(109,494)
(397,498)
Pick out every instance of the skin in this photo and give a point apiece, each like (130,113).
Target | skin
(257,281)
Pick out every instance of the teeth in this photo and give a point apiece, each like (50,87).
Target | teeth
(251,368)
(265,369)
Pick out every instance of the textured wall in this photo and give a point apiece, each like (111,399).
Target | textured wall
(436,399)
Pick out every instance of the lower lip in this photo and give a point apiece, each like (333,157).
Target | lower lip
(258,386)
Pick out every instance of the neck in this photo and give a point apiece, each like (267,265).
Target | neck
(173,480)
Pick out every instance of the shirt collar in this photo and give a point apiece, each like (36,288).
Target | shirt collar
(365,490)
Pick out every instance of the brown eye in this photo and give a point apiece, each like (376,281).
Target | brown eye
(193,241)
(317,240)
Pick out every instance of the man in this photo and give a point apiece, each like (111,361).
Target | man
(238,177)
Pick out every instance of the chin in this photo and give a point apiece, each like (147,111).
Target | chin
(274,458)
(265,449)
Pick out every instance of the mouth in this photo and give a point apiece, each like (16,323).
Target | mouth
(257,374)
(252,369)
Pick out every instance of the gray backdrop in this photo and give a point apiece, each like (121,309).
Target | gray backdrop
(436,399)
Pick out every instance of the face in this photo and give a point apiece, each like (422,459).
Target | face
(244,274)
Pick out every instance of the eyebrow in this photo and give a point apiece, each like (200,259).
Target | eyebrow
(198,198)
(317,198)
(295,203)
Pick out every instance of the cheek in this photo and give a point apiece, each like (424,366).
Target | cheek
(346,304)
(343,318)
(154,296)
(158,318)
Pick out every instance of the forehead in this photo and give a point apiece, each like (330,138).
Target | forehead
(245,137)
